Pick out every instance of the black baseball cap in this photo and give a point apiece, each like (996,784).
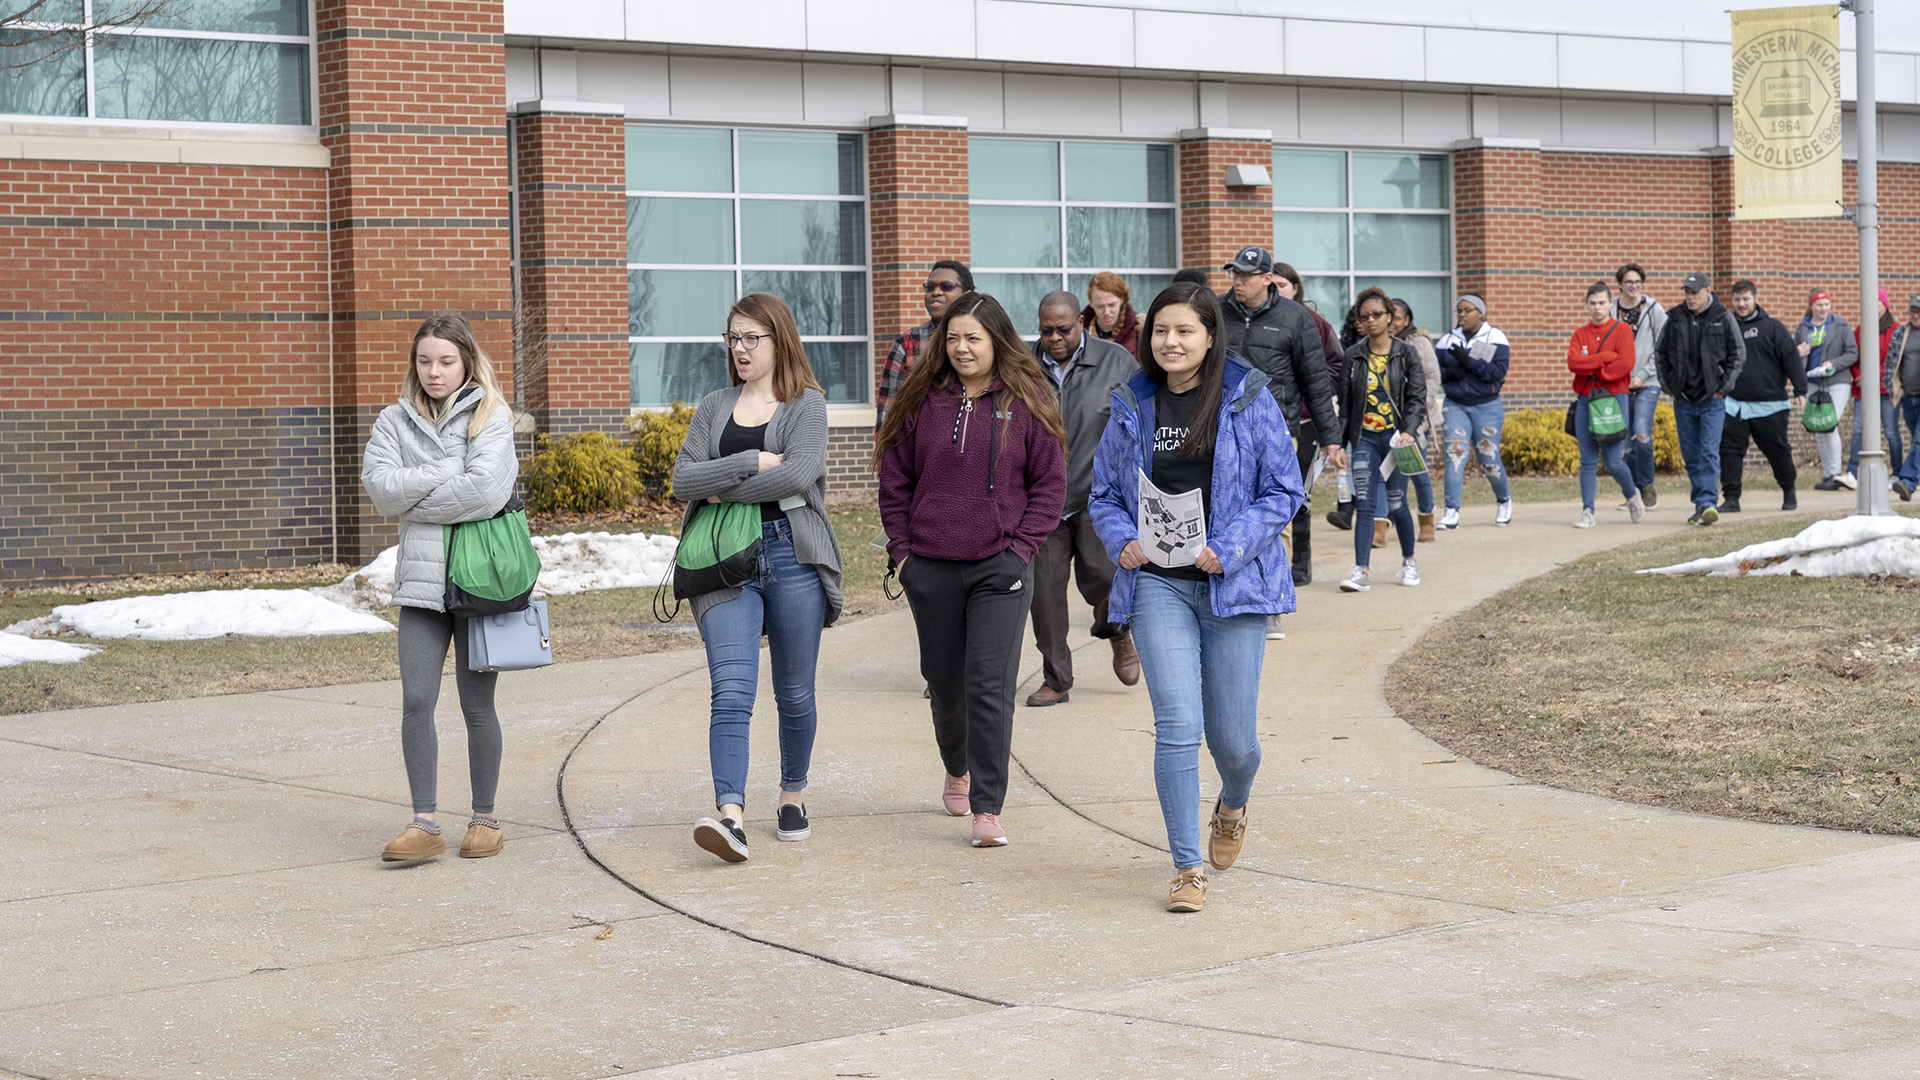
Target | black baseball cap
(1252,260)
(1697,281)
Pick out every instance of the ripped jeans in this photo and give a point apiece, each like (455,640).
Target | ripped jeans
(1475,427)
(1641,405)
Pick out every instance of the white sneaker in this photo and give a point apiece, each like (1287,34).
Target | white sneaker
(1274,633)
(1450,519)
(1409,574)
(1847,481)
(1636,509)
(1503,514)
(1586,520)
(1356,581)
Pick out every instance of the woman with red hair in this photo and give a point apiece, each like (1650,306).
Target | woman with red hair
(1108,315)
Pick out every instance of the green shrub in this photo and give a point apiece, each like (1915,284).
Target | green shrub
(1666,440)
(1535,443)
(655,438)
(581,474)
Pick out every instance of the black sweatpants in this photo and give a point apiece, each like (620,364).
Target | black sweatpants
(1305,445)
(1073,547)
(1770,434)
(969,616)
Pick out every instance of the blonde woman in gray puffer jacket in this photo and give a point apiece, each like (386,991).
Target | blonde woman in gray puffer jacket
(441,455)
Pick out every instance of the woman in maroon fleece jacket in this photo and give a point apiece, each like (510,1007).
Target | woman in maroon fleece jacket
(973,476)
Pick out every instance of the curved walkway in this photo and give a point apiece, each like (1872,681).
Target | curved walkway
(189,889)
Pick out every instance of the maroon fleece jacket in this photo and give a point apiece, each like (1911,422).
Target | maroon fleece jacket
(937,497)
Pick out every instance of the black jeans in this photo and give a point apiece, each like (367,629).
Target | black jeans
(969,616)
(1770,434)
(1072,548)
(1305,445)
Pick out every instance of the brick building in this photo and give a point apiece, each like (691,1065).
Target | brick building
(220,230)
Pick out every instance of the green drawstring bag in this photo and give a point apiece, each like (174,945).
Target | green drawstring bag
(1605,420)
(491,564)
(1821,415)
(719,549)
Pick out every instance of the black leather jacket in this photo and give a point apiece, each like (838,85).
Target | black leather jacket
(1406,386)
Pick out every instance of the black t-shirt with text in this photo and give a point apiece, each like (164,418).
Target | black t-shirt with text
(1173,474)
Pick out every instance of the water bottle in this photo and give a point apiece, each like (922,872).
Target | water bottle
(1345,483)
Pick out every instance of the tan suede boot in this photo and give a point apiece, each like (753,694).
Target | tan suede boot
(1426,528)
(1380,532)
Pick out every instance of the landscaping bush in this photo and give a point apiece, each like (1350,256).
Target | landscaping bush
(1535,443)
(656,439)
(580,474)
(1666,440)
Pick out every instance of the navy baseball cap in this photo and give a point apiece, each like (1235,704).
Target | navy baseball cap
(1251,260)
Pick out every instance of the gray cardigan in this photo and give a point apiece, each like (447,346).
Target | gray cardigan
(798,433)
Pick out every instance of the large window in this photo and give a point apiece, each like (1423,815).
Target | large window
(716,213)
(208,61)
(1050,215)
(1350,220)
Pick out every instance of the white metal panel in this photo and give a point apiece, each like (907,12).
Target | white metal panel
(559,75)
(1350,117)
(523,76)
(1900,137)
(1184,41)
(1480,57)
(752,24)
(1709,67)
(1157,107)
(637,81)
(1065,104)
(602,20)
(889,27)
(1435,119)
(1530,118)
(1601,63)
(1723,125)
(1053,33)
(736,91)
(844,94)
(980,96)
(1355,50)
(1607,123)
(1894,79)
(1684,127)
(1275,108)
(1849,72)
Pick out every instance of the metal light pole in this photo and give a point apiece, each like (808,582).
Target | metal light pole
(1873,476)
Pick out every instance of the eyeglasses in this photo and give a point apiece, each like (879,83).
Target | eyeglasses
(940,286)
(1058,331)
(751,341)
(1369,316)
(1630,281)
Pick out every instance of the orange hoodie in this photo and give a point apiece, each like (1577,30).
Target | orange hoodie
(1603,352)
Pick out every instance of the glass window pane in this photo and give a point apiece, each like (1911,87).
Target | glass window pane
(1309,178)
(1429,297)
(661,373)
(1013,169)
(232,82)
(803,233)
(823,303)
(1016,236)
(679,230)
(234,16)
(1119,172)
(1106,237)
(678,303)
(1400,181)
(1310,241)
(46,82)
(679,159)
(1328,296)
(799,163)
(1020,294)
(842,368)
(1400,242)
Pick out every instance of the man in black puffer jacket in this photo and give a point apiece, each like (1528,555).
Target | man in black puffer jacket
(1701,353)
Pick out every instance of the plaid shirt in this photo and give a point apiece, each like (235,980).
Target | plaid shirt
(906,349)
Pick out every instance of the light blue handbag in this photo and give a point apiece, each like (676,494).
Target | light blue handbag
(513,641)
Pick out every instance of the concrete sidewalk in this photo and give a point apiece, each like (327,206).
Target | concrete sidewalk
(192,889)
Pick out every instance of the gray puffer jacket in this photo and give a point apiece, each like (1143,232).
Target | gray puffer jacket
(430,475)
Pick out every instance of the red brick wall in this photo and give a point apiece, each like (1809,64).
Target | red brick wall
(1216,220)
(917,212)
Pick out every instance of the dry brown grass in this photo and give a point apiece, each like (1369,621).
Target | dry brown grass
(1777,699)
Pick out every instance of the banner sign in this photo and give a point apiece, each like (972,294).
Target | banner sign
(1786,112)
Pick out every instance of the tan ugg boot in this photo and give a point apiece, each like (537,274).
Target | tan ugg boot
(1426,528)
(1380,532)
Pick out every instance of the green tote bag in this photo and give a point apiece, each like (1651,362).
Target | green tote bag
(491,564)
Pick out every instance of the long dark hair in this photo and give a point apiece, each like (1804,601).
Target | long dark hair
(1213,369)
(1013,364)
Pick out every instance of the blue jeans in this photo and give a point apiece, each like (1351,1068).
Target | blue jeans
(1640,406)
(1700,424)
(1888,428)
(1475,427)
(787,601)
(1422,489)
(1908,468)
(1203,675)
(1372,448)
(1591,453)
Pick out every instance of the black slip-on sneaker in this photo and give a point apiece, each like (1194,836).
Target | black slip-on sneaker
(793,823)
(724,838)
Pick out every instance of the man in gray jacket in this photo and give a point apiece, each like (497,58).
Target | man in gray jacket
(1645,317)
(1084,370)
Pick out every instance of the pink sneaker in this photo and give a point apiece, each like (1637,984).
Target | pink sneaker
(987,831)
(954,797)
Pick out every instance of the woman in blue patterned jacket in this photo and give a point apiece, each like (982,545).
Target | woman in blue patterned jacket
(1194,421)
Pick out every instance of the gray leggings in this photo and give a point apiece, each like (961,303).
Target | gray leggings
(423,652)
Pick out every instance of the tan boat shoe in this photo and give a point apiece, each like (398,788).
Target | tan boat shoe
(1225,838)
(1189,892)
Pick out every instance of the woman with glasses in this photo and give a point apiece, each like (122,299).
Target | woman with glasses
(1647,320)
(1473,368)
(763,440)
(1384,401)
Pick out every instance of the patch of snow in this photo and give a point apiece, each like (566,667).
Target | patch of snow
(1854,546)
(209,614)
(369,588)
(19,649)
(582,562)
